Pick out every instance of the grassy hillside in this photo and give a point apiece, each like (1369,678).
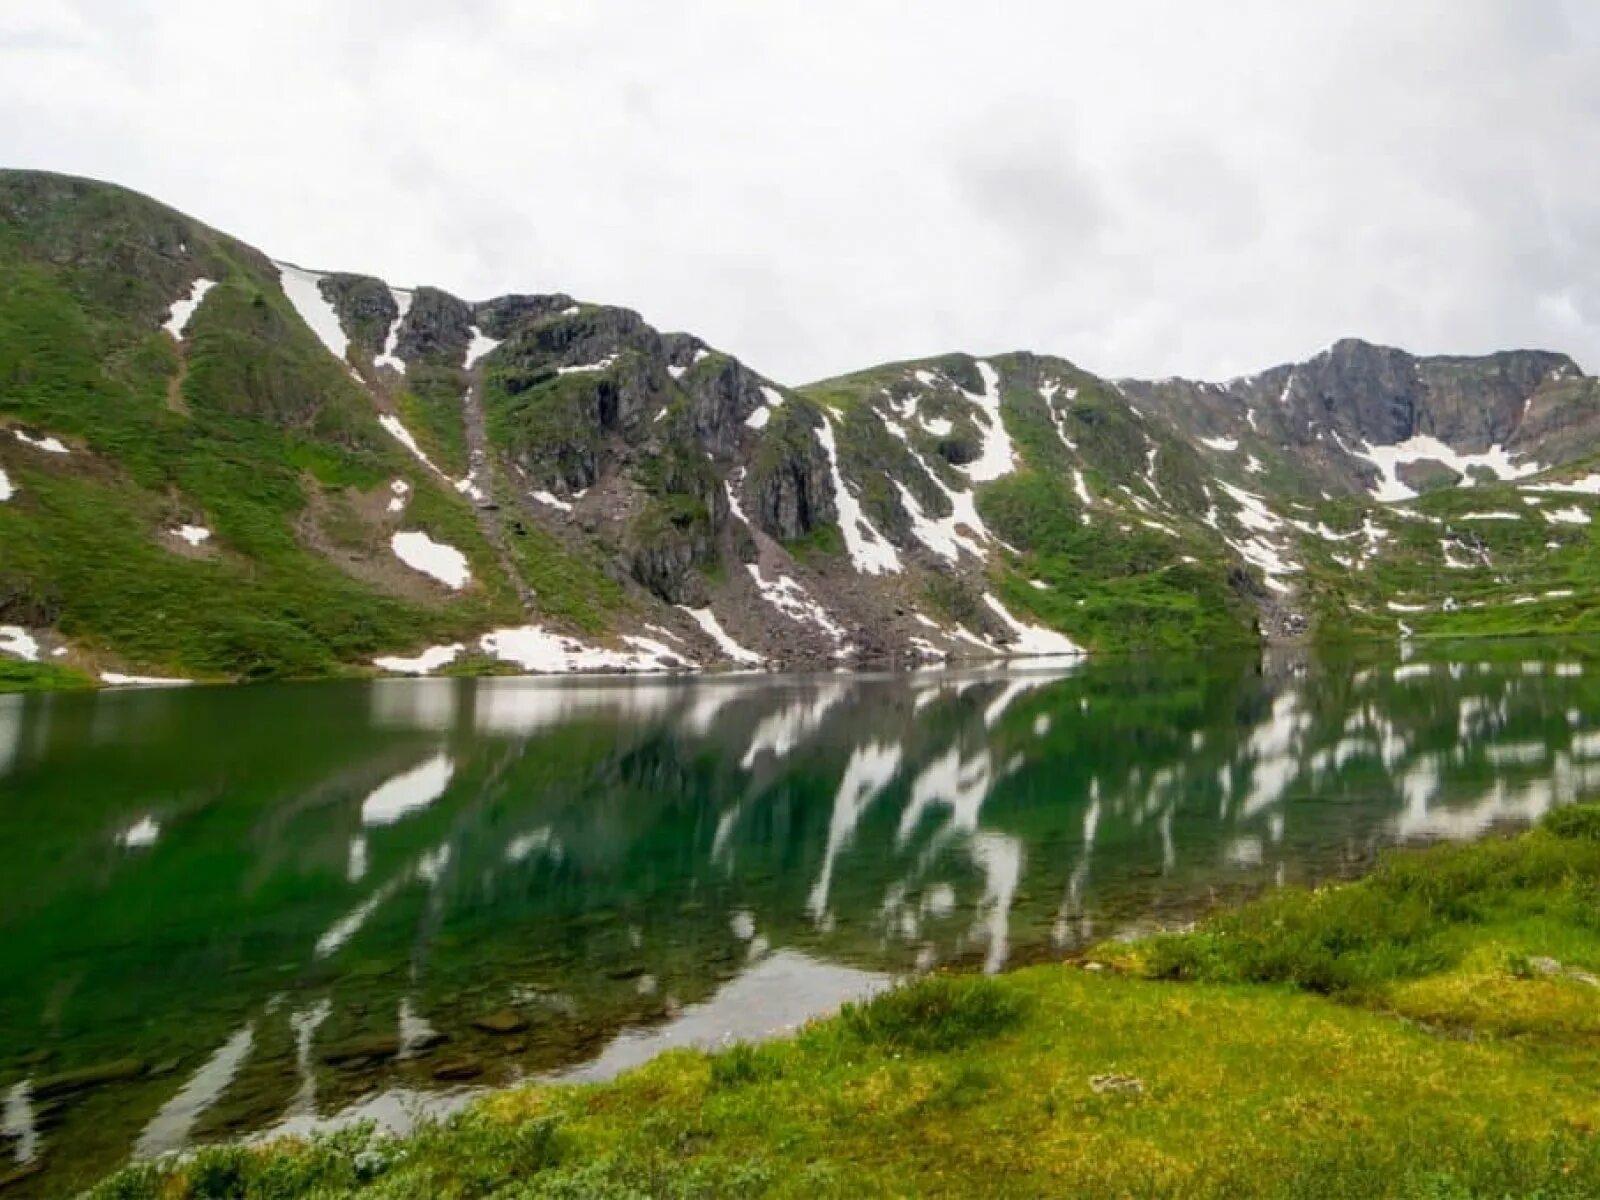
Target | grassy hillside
(249,428)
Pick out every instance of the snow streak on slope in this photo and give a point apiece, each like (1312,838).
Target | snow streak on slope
(870,551)
(997,457)
(792,599)
(480,345)
(387,357)
(305,293)
(183,310)
(707,620)
(403,435)
(50,445)
(1031,639)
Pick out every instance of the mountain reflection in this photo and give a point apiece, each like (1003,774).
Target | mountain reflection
(272,904)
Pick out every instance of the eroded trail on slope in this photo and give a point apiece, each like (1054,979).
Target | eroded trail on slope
(481,485)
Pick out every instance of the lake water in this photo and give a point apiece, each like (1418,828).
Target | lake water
(224,911)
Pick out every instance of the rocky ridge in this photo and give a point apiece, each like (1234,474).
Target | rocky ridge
(540,483)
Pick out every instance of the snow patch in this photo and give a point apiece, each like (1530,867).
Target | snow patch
(49,445)
(707,620)
(403,435)
(1224,444)
(1031,639)
(303,288)
(601,364)
(538,650)
(436,559)
(193,534)
(426,663)
(552,501)
(997,457)
(1495,515)
(387,357)
(480,345)
(117,679)
(183,309)
(1423,448)
(1589,485)
(792,599)
(19,643)
(1567,516)
(7,488)
(870,552)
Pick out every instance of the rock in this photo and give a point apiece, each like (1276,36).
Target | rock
(1116,1085)
(1544,966)
(426,1043)
(374,1048)
(499,317)
(365,306)
(83,1079)
(436,329)
(502,1022)
(790,483)
(456,1070)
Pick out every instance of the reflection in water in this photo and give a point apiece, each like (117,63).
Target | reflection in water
(235,910)
(170,1128)
(777,995)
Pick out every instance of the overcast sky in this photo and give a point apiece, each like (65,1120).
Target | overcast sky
(1150,187)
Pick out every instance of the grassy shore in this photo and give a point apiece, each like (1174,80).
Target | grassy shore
(1430,1031)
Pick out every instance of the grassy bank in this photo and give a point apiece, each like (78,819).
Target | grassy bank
(1431,1031)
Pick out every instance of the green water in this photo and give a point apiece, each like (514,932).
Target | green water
(255,908)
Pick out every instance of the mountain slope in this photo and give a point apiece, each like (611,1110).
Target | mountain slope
(215,465)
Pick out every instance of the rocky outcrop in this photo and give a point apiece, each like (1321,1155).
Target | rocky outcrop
(789,478)
(437,330)
(499,318)
(365,306)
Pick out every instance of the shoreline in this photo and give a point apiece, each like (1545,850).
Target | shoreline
(1424,1030)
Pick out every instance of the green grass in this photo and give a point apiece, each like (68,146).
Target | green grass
(1402,1036)
(18,676)
(243,431)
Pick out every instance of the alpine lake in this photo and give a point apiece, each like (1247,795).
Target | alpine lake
(232,912)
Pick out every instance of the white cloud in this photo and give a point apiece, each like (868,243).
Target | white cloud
(1148,188)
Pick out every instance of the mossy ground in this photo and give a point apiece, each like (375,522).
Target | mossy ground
(1426,1032)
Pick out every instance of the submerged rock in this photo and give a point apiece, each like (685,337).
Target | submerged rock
(502,1022)
(84,1078)
(374,1048)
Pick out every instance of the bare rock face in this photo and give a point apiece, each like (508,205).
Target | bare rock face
(1474,403)
(437,330)
(1366,393)
(722,395)
(366,308)
(499,317)
(790,478)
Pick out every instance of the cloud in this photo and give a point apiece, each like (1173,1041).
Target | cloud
(1150,188)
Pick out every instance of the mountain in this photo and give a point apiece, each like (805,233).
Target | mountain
(218,465)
